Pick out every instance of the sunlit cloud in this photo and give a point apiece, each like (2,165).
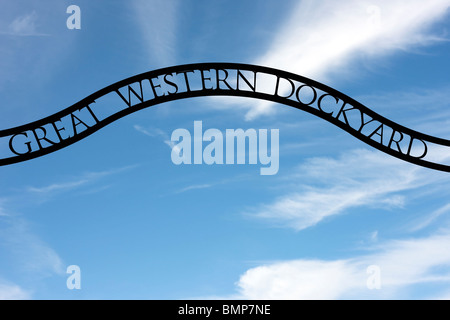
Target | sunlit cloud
(320,38)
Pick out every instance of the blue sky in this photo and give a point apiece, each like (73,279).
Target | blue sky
(140,227)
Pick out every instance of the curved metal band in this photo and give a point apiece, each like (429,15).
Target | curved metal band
(226,90)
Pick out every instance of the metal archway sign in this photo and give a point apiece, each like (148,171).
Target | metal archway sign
(111,103)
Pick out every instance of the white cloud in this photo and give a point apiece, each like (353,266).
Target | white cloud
(359,178)
(321,37)
(13,292)
(402,264)
(157,22)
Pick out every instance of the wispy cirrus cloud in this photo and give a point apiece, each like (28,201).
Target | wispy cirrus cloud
(430,218)
(157,21)
(330,187)
(156,132)
(32,256)
(2,209)
(33,45)
(403,265)
(207,185)
(408,106)
(24,247)
(83,180)
(442,296)
(195,187)
(321,37)
(24,26)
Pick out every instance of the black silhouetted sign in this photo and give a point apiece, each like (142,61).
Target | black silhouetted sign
(219,79)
